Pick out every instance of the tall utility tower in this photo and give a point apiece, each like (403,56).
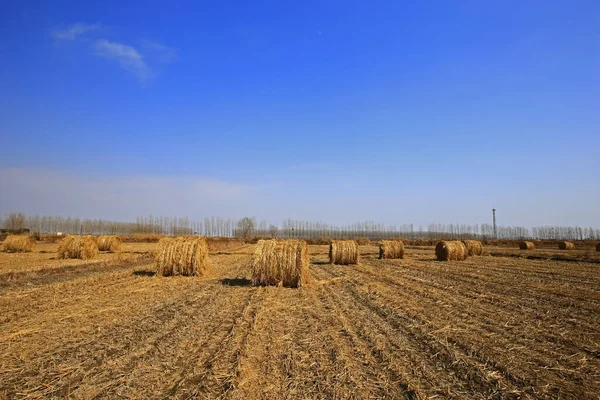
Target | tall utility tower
(495,232)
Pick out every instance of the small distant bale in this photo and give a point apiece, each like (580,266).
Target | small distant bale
(598,247)
(19,243)
(109,243)
(566,245)
(281,263)
(80,247)
(451,250)
(182,256)
(389,249)
(474,247)
(343,252)
(525,245)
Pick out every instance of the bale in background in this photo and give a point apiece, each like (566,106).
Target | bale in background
(19,243)
(281,262)
(566,245)
(82,247)
(391,249)
(182,256)
(474,247)
(453,250)
(109,243)
(524,245)
(598,247)
(343,252)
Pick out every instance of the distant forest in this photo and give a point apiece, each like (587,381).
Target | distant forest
(250,227)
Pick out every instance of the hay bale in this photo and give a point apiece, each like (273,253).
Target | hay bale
(391,249)
(343,252)
(474,247)
(81,247)
(525,245)
(598,246)
(451,250)
(109,243)
(182,256)
(566,245)
(281,263)
(19,243)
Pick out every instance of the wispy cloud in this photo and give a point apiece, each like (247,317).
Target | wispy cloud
(127,57)
(162,53)
(74,31)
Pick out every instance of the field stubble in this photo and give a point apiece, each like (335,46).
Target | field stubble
(487,327)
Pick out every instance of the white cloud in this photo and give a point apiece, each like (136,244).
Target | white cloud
(127,57)
(75,30)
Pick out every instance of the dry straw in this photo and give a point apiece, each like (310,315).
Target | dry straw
(109,243)
(524,245)
(343,252)
(474,247)
(453,250)
(82,247)
(566,245)
(18,243)
(182,256)
(391,249)
(281,263)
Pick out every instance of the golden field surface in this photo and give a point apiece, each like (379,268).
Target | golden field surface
(496,326)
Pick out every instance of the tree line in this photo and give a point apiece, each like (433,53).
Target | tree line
(249,227)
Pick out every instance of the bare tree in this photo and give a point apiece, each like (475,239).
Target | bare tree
(15,222)
(273,230)
(245,227)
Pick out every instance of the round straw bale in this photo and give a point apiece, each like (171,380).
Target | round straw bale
(451,250)
(19,243)
(343,252)
(109,243)
(474,247)
(182,256)
(598,246)
(82,247)
(281,263)
(525,245)
(391,249)
(566,245)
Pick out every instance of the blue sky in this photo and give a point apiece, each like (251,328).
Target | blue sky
(322,110)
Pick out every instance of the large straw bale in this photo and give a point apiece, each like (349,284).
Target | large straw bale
(451,250)
(82,247)
(474,247)
(343,252)
(566,245)
(525,245)
(109,243)
(18,243)
(182,256)
(391,249)
(281,263)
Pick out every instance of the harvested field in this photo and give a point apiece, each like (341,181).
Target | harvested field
(486,327)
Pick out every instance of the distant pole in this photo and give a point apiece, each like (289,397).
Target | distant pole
(495,231)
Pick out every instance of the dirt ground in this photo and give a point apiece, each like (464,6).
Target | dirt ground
(502,326)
